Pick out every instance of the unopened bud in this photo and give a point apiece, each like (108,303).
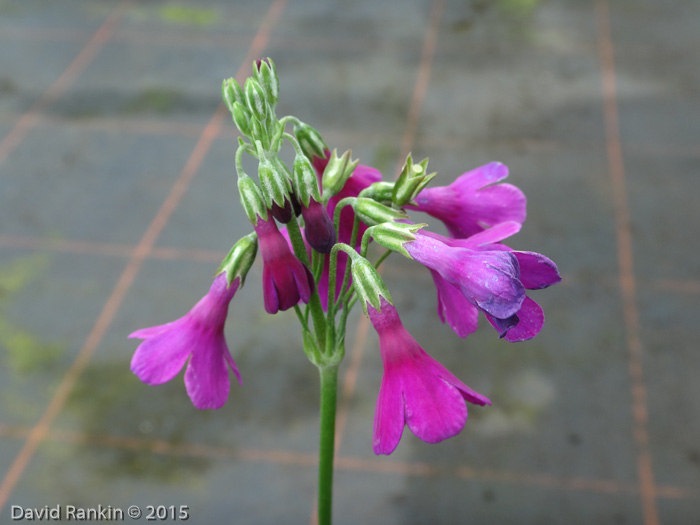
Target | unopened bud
(265,73)
(242,118)
(310,141)
(368,284)
(231,92)
(393,235)
(304,180)
(274,183)
(282,213)
(318,227)
(239,259)
(255,99)
(381,191)
(372,212)
(251,198)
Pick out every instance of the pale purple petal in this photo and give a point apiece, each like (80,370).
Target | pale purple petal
(206,377)
(536,270)
(454,308)
(147,333)
(531,321)
(161,357)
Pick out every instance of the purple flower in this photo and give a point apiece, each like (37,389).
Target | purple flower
(473,202)
(416,390)
(489,280)
(536,272)
(199,334)
(286,280)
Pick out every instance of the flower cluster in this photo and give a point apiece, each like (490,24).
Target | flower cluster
(313,223)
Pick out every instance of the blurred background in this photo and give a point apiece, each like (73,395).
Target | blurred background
(118,199)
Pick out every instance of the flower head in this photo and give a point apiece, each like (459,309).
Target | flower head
(473,201)
(286,280)
(416,390)
(199,335)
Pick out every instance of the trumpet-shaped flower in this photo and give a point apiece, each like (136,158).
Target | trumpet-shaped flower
(490,280)
(416,390)
(199,335)
(536,272)
(474,201)
(286,280)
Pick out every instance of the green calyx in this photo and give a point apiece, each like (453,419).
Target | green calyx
(372,212)
(337,172)
(411,181)
(393,235)
(239,259)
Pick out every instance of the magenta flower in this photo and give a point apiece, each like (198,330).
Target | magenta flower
(416,390)
(473,201)
(536,272)
(286,280)
(199,334)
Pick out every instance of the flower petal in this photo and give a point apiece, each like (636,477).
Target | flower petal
(435,410)
(206,377)
(531,321)
(454,308)
(536,270)
(160,358)
(389,418)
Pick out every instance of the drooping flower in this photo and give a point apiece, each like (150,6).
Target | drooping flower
(416,390)
(489,280)
(286,280)
(474,201)
(536,272)
(199,335)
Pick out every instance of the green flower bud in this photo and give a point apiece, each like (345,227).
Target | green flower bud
(393,235)
(231,92)
(369,285)
(255,99)
(242,118)
(251,198)
(372,212)
(412,180)
(310,141)
(337,172)
(273,182)
(240,259)
(266,74)
(304,181)
(381,191)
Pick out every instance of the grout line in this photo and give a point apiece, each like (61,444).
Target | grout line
(139,254)
(421,86)
(29,119)
(151,126)
(687,286)
(647,489)
(368,465)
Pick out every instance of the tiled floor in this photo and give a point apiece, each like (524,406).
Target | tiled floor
(118,199)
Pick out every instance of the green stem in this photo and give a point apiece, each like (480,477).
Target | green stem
(329,394)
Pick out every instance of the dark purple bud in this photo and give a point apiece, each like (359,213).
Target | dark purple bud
(283,215)
(295,204)
(319,230)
